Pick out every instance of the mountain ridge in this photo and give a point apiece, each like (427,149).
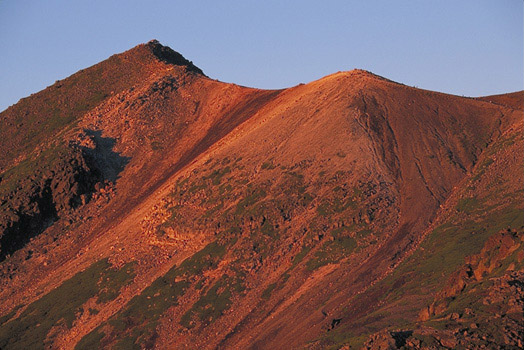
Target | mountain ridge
(236,207)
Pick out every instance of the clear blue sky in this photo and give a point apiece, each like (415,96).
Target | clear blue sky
(464,47)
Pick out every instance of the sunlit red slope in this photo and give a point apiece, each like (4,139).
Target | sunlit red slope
(202,214)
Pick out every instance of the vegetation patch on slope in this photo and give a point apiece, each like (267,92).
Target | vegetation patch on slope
(61,306)
(135,325)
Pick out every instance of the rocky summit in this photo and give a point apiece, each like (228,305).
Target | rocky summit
(144,205)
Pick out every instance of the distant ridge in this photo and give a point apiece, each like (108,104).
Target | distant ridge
(514,99)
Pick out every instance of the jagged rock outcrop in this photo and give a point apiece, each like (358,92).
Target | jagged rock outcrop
(52,189)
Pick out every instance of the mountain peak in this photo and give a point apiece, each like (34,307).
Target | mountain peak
(356,75)
(170,56)
(362,73)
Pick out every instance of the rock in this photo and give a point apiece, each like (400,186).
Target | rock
(424,314)
(449,342)
(454,316)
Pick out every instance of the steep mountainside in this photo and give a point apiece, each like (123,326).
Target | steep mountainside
(145,205)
